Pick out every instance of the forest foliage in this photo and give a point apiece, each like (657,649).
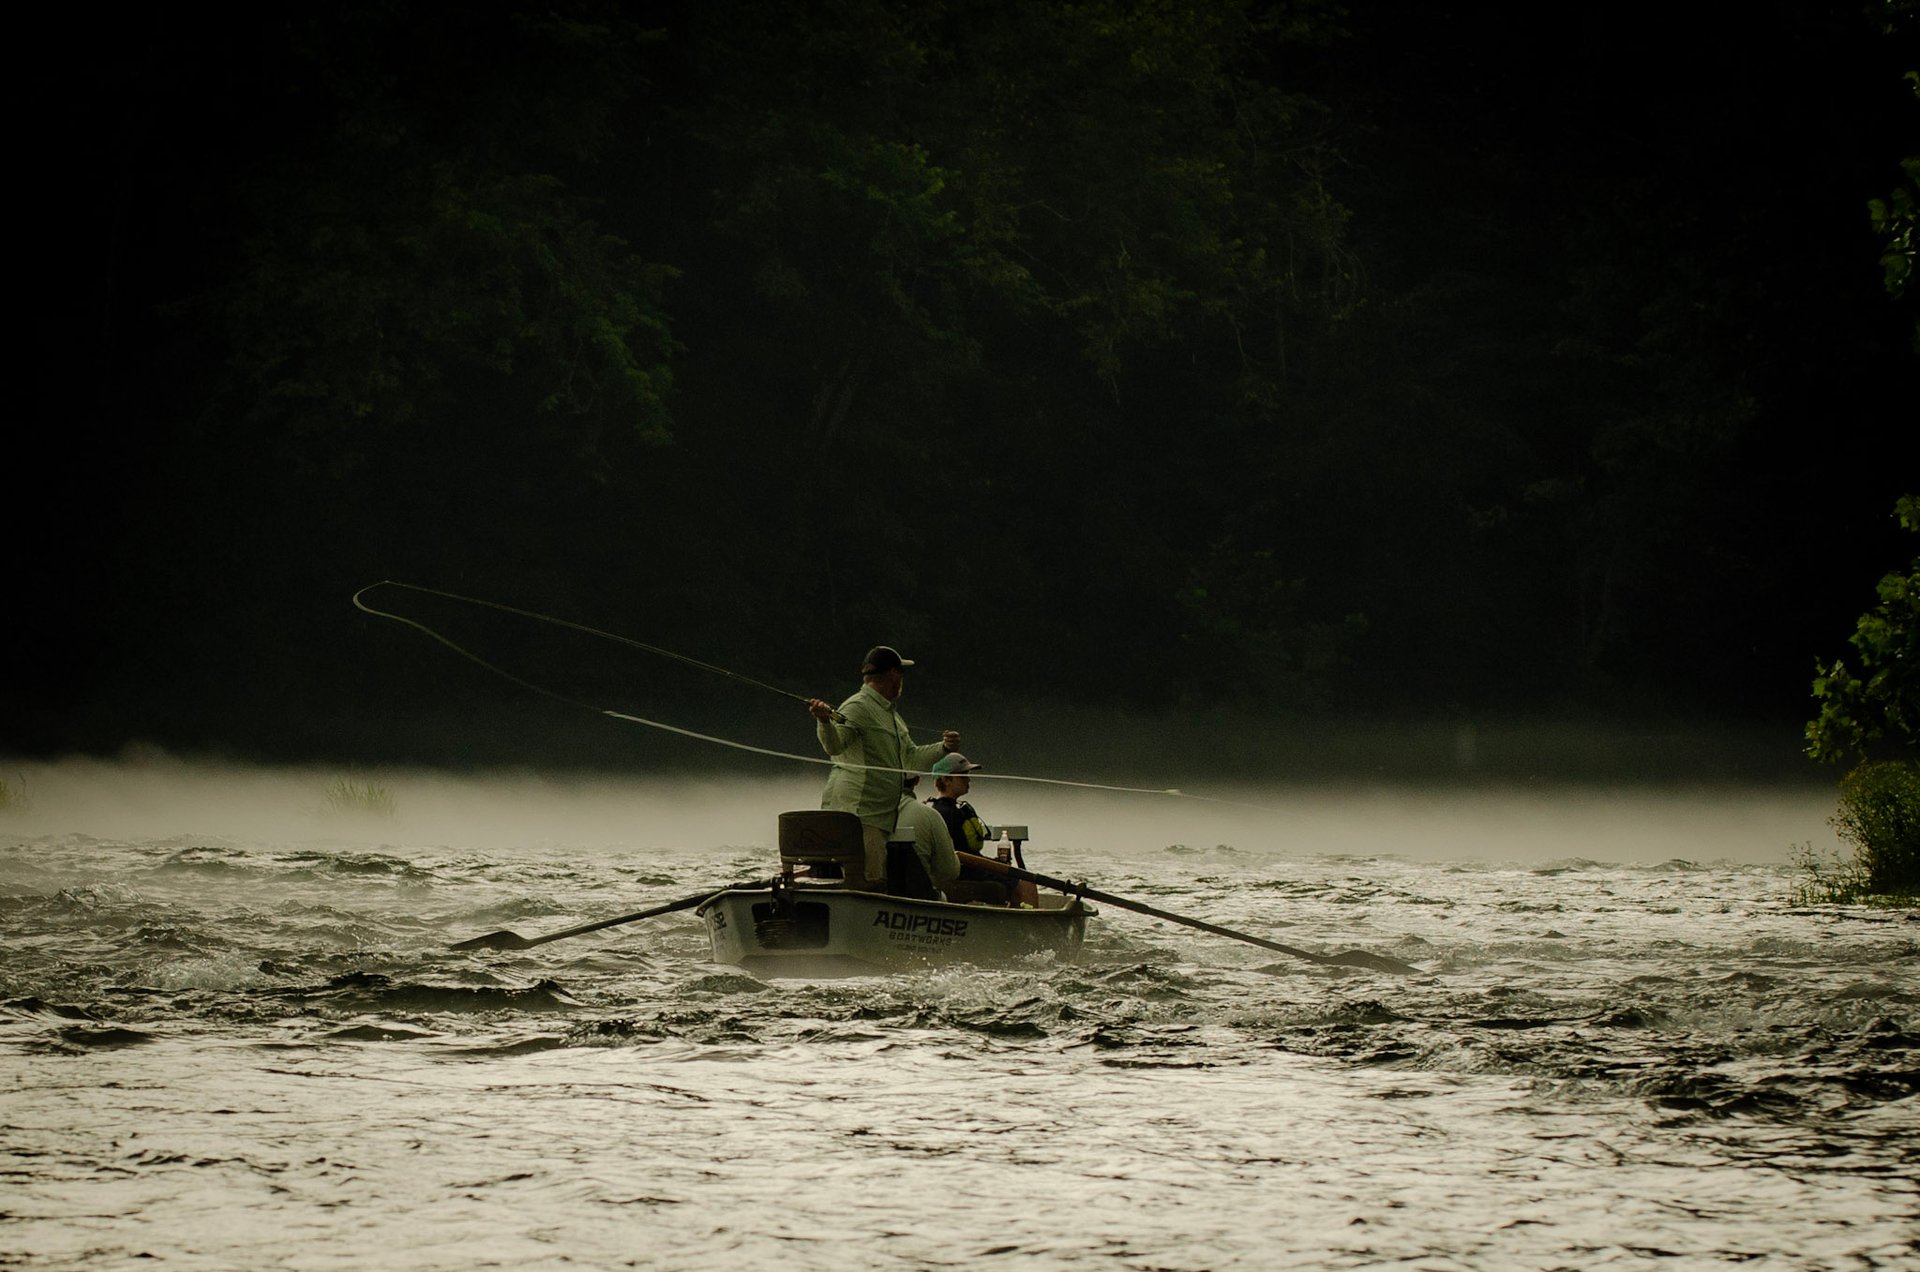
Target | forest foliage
(1869,714)
(1872,696)
(1127,352)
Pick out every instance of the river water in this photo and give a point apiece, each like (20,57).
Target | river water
(233,1037)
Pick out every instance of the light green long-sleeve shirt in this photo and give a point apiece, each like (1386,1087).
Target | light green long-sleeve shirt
(930,839)
(870,753)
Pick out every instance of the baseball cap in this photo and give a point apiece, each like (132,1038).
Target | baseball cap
(883,658)
(954,764)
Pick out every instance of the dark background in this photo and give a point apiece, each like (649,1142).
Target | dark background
(1265,389)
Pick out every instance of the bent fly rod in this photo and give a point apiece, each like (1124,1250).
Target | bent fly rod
(557,622)
(360,603)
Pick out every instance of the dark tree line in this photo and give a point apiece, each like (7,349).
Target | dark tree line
(1389,360)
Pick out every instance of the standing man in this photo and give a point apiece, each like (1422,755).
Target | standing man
(871,753)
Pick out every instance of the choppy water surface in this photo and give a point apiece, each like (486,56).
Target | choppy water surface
(233,1036)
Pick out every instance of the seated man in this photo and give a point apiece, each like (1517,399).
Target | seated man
(931,842)
(969,833)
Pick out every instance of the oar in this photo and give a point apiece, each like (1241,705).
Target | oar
(512,941)
(1351,958)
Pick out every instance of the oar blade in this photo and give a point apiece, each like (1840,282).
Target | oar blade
(494,941)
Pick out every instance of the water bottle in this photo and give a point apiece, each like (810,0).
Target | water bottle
(1004,849)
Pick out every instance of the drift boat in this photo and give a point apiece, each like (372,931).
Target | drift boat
(813,924)
(810,921)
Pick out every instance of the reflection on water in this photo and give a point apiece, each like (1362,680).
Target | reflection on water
(233,1035)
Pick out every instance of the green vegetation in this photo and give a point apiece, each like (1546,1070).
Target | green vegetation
(344,796)
(1829,878)
(1897,217)
(1872,701)
(1869,703)
(1293,358)
(1875,696)
(1880,816)
(407,247)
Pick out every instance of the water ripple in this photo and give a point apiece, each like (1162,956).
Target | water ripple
(216,1045)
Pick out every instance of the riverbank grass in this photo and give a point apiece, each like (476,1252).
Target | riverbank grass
(345,796)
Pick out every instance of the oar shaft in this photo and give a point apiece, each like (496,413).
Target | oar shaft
(511,941)
(671,906)
(1138,907)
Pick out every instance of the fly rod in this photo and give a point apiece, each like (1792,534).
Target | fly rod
(572,626)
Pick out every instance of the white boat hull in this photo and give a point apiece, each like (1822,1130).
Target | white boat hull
(824,930)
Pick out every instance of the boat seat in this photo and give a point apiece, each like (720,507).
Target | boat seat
(827,840)
(907,874)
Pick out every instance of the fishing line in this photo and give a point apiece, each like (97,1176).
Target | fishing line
(360,603)
(561,622)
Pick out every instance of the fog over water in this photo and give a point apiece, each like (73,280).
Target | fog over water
(232,1035)
(164,795)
